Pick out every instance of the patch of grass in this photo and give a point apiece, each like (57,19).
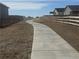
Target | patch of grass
(16,41)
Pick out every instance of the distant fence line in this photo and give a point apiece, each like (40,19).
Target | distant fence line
(11,20)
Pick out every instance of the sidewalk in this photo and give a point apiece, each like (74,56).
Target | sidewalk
(69,21)
(47,44)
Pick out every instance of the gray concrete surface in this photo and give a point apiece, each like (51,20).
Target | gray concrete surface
(75,24)
(47,44)
(68,20)
(65,21)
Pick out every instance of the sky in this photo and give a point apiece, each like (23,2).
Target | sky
(35,7)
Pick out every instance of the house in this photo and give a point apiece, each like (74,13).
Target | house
(3,14)
(58,11)
(72,10)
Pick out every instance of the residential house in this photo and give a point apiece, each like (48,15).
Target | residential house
(72,10)
(58,12)
(3,14)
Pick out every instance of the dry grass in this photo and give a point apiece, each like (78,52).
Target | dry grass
(16,41)
(69,32)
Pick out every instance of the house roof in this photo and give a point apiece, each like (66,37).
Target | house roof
(73,7)
(60,9)
(2,5)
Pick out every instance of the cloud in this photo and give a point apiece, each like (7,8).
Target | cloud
(24,5)
(23,0)
(30,0)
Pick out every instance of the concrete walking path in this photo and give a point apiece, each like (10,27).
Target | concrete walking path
(65,21)
(47,44)
(75,24)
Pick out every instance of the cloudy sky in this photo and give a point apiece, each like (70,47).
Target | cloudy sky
(35,7)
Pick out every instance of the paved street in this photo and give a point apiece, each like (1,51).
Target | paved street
(47,44)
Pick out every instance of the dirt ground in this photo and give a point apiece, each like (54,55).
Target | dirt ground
(69,32)
(16,41)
